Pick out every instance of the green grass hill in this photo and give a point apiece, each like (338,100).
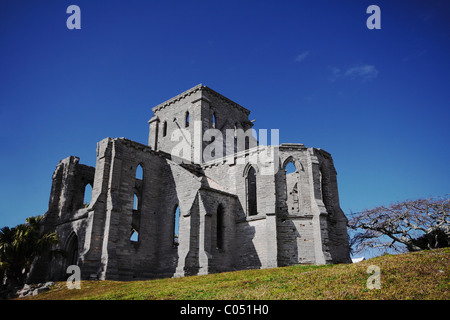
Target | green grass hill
(419,275)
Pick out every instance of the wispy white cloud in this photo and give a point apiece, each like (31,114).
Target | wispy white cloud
(302,56)
(364,72)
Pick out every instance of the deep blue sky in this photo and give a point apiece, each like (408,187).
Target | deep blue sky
(377,100)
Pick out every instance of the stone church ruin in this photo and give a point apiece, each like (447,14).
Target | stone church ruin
(154,214)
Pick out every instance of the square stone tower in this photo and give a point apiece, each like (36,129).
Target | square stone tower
(187,117)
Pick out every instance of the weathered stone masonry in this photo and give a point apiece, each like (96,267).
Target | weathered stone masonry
(231,213)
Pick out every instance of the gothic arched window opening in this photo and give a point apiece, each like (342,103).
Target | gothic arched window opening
(251,192)
(164,130)
(176,226)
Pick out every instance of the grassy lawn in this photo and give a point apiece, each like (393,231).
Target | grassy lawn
(419,275)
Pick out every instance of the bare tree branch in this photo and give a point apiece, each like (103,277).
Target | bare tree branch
(414,224)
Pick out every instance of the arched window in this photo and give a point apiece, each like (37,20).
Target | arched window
(72,249)
(251,192)
(214,120)
(87,195)
(137,204)
(176,226)
(138,185)
(164,130)
(139,172)
(220,227)
(187,119)
(292,187)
